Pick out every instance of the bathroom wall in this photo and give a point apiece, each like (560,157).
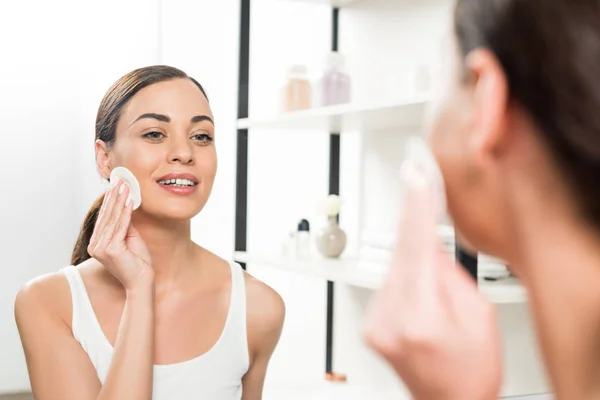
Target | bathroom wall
(201,37)
(54,70)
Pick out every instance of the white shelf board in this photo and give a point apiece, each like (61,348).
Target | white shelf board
(331,391)
(331,3)
(324,390)
(368,275)
(346,117)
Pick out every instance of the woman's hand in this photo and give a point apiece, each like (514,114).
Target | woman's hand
(429,321)
(116,243)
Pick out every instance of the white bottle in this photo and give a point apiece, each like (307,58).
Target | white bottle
(288,247)
(303,239)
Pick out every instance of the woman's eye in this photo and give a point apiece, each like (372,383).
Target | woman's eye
(154,136)
(203,138)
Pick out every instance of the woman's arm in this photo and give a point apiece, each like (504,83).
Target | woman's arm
(265,316)
(58,366)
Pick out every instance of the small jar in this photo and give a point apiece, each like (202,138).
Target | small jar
(297,90)
(334,86)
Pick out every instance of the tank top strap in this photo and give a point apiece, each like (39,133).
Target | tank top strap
(238,328)
(86,328)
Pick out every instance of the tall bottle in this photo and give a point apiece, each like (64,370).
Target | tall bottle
(297,89)
(334,85)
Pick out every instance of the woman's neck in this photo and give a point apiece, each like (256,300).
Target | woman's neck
(171,248)
(558,260)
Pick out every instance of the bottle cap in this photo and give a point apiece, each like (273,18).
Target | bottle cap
(304,226)
(297,69)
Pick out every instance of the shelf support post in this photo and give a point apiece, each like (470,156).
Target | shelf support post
(466,259)
(241,186)
(334,188)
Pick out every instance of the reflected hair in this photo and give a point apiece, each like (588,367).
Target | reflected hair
(549,51)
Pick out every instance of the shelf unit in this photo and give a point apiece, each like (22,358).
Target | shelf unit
(336,391)
(331,3)
(333,391)
(367,274)
(405,113)
(335,120)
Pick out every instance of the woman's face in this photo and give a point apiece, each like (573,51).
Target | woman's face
(465,121)
(167,128)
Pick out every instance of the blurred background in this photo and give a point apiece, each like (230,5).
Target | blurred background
(59,57)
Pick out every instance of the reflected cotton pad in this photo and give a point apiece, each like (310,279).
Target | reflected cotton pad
(417,149)
(127,176)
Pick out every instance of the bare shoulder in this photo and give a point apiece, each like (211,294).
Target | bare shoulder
(44,298)
(265,308)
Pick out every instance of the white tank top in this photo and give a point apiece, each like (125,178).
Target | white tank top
(215,375)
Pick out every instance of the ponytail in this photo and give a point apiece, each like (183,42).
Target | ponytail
(80,253)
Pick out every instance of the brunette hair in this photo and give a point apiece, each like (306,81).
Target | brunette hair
(550,52)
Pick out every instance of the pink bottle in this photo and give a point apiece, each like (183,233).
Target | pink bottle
(333,87)
(297,90)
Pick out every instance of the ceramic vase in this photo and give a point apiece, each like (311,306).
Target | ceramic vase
(331,240)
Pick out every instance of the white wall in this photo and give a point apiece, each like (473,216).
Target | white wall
(201,37)
(57,62)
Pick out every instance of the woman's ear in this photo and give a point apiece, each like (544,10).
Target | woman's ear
(102,159)
(490,100)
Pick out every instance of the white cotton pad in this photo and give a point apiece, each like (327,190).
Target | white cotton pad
(127,176)
(417,149)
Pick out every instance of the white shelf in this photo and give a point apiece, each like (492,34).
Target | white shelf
(331,3)
(331,391)
(367,274)
(346,117)
(324,390)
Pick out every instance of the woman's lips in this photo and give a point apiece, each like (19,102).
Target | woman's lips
(179,190)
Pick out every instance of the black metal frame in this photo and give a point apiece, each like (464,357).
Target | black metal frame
(467,260)
(241,197)
(334,188)
(241,182)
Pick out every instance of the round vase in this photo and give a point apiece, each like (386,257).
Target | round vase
(331,240)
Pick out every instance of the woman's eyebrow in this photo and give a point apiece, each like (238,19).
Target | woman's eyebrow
(159,117)
(200,118)
(165,118)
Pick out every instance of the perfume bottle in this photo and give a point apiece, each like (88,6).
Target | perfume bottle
(333,87)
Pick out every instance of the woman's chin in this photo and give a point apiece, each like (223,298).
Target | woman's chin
(173,213)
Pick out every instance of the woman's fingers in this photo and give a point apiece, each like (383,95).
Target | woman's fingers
(417,244)
(124,221)
(105,210)
(111,218)
(100,219)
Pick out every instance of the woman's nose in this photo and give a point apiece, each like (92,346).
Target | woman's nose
(182,153)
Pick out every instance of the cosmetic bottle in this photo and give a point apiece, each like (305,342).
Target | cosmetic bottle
(297,90)
(333,87)
(303,239)
(288,247)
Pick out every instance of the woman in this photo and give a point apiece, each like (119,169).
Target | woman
(144,312)
(516,134)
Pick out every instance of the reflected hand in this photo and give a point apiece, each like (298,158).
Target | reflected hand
(429,321)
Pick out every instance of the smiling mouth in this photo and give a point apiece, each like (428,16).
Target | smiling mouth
(177,182)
